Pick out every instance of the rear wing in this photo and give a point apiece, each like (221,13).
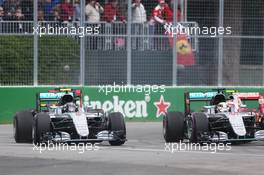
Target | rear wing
(200,96)
(53,96)
(196,96)
(249,95)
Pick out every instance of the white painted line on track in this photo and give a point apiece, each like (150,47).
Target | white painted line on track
(175,152)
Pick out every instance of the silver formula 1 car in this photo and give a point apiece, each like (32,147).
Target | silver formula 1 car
(60,116)
(224,118)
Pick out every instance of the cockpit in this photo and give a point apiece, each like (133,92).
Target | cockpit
(65,104)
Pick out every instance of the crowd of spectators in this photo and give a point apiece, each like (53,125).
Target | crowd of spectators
(154,11)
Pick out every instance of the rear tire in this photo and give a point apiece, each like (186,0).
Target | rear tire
(117,123)
(173,127)
(196,126)
(22,125)
(41,126)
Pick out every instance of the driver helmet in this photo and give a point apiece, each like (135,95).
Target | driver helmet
(223,107)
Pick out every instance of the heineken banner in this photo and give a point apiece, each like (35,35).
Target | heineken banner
(137,103)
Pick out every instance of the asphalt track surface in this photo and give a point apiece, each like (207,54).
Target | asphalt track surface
(143,153)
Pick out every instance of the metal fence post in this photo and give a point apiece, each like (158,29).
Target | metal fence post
(129,51)
(185,9)
(220,44)
(182,10)
(82,45)
(35,47)
(174,61)
(263,63)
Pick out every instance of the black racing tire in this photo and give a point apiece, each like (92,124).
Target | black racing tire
(199,125)
(262,122)
(41,125)
(117,123)
(22,127)
(173,127)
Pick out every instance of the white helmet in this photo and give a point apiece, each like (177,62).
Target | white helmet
(71,107)
(222,107)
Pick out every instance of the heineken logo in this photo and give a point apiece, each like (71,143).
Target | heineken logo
(129,108)
(162,106)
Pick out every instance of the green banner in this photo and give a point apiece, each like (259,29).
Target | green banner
(137,103)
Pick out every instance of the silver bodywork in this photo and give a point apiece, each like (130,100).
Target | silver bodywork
(80,122)
(236,121)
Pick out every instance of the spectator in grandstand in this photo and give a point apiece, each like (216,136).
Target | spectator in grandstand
(77,11)
(41,15)
(111,12)
(138,18)
(162,13)
(2,15)
(66,11)
(19,16)
(138,12)
(56,15)
(10,7)
(93,10)
(27,9)
(48,7)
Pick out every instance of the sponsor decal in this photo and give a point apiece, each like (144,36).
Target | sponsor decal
(129,108)
(162,106)
(201,95)
(51,95)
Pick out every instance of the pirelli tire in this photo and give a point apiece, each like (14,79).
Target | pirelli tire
(22,126)
(117,125)
(262,122)
(197,125)
(41,126)
(173,127)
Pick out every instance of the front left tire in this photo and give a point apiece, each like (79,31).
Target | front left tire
(117,125)
(197,125)
(22,126)
(41,126)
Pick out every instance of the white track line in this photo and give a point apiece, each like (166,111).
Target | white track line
(175,152)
